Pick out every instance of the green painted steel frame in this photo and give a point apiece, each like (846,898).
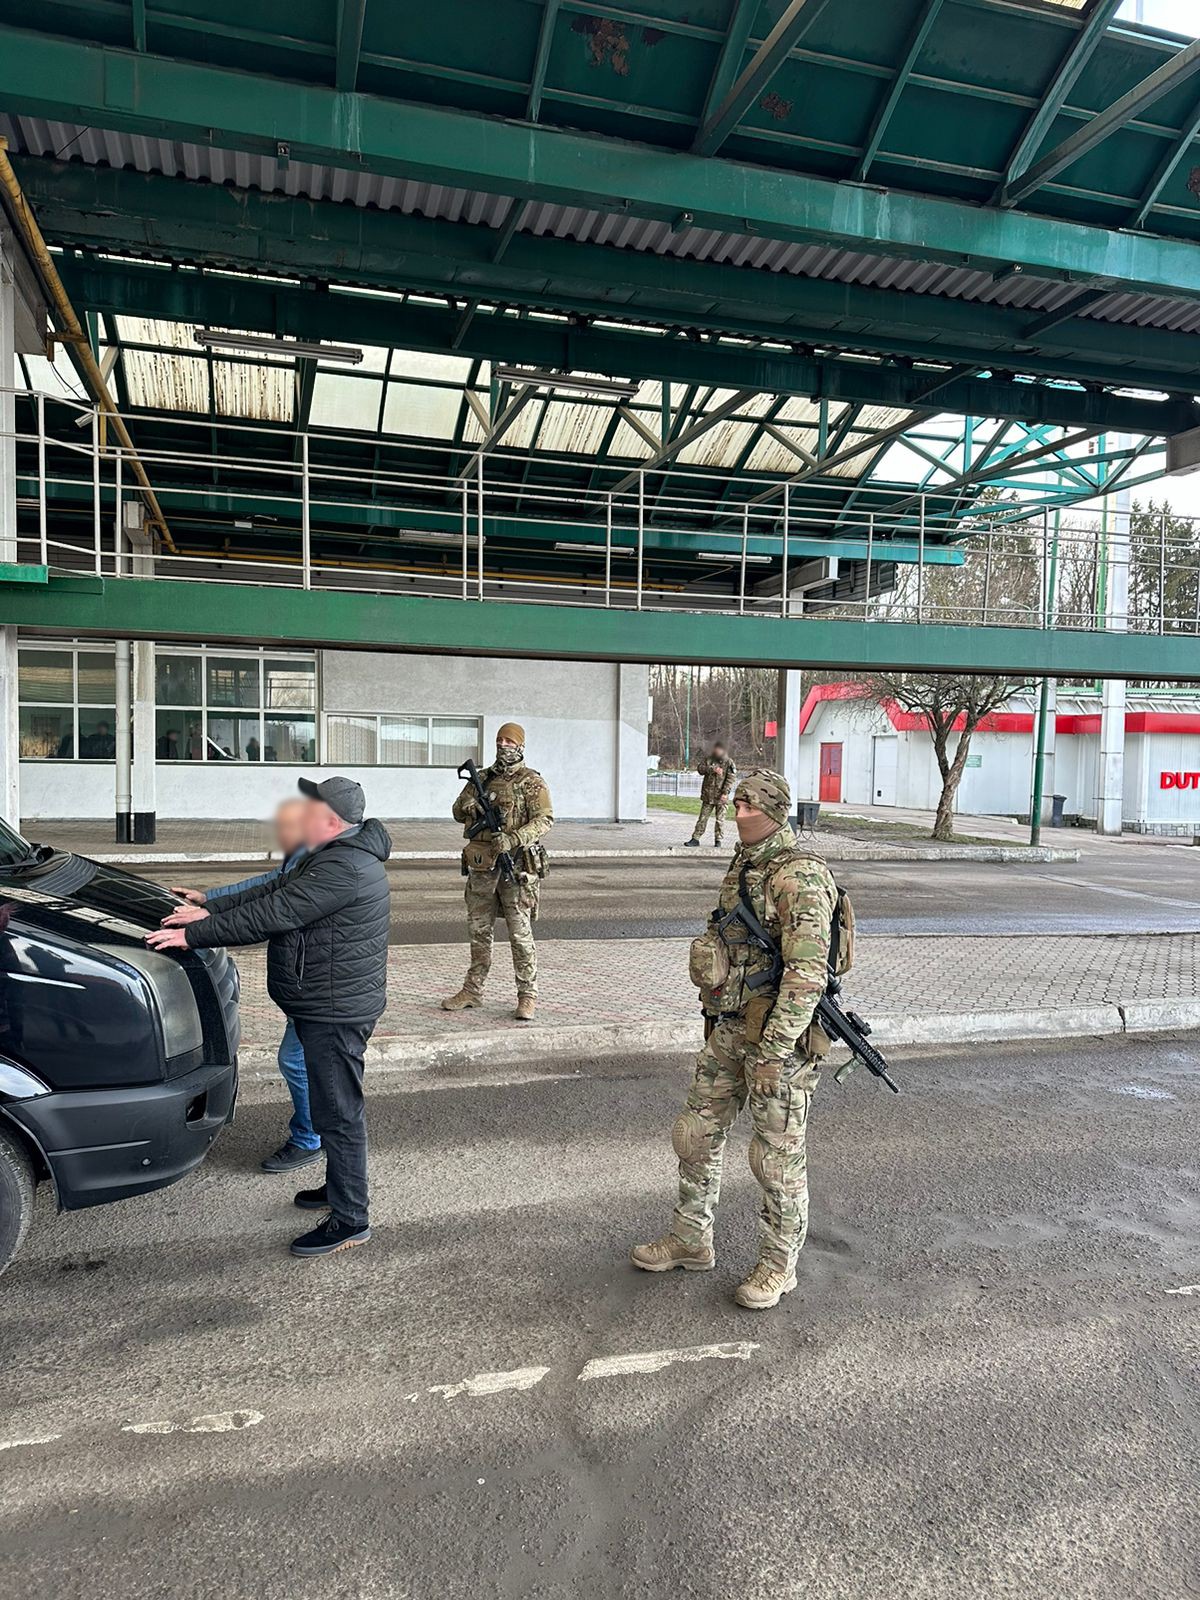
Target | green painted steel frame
(159,96)
(145,608)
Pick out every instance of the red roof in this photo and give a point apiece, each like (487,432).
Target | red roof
(1001,721)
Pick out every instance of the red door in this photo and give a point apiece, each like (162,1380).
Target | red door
(831,773)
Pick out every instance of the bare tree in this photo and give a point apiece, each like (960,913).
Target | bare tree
(949,703)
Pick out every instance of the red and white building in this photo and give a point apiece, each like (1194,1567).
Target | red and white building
(858,752)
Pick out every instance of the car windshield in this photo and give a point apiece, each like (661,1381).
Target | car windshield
(12,847)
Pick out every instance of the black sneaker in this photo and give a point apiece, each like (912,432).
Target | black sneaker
(329,1236)
(289,1156)
(691,844)
(313,1199)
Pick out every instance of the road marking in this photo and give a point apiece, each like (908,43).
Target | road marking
(214,1422)
(492,1382)
(1188,1288)
(21,1444)
(656,1360)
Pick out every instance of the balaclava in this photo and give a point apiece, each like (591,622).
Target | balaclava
(769,793)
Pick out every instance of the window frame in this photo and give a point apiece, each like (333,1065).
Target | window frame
(429,718)
(262,712)
(74,705)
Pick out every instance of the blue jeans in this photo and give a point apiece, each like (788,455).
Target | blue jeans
(295,1075)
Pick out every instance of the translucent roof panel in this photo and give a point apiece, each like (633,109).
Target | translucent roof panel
(346,403)
(248,389)
(422,410)
(573,428)
(770,455)
(437,368)
(166,382)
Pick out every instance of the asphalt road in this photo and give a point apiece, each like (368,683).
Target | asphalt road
(985,1385)
(1136,889)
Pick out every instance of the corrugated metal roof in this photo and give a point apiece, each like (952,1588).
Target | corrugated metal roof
(99,146)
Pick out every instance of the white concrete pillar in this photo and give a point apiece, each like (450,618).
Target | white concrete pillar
(1110,770)
(10,778)
(787,741)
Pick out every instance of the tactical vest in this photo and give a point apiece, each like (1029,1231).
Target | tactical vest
(513,792)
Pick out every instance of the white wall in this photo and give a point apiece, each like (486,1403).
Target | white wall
(585,725)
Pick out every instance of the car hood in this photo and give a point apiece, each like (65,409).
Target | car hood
(85,899)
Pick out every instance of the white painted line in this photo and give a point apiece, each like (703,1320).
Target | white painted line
(1188,1288)
(214,1422)
(492,1382)
(656,1360)
(21,1444)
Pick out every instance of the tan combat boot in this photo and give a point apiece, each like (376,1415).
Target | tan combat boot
(661,1255)
(526,1007)
(766,1285)
(463,1000)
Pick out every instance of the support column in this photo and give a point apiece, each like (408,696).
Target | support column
(787,738)
(1110,770)
(10,776)
(137,769)
(143,794)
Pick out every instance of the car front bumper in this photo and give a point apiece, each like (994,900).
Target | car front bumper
(109,1144)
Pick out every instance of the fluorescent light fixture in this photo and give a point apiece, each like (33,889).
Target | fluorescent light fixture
(442,540)
(594,549)
(611,388)
(733,559)
(264,344)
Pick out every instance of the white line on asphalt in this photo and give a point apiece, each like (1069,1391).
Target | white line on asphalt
(21,1444)
(1188,1288)
(656,1360)
(214,1422)
(492,1382)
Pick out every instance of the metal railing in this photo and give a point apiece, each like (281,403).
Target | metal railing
(898,554)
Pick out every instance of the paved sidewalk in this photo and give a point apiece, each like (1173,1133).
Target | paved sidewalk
(601,996)
(662,834)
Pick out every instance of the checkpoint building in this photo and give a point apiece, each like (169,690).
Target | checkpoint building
(856,751)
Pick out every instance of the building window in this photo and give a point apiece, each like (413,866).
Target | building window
(225,705)
(384,739)
(67,704)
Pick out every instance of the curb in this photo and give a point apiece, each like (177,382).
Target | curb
(518,1046)
(848,852)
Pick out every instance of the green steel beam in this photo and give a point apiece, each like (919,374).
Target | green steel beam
(541,60)
(1079,52)
(1166,171)
(887,107)
(112,210)
(351,14)
(160,609)
(755,77)
(213,300)
(99,86)
(138,18)
(1074,307)
(1178,70)
(729,60)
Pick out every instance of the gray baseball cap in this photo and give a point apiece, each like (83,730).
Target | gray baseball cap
(342,795)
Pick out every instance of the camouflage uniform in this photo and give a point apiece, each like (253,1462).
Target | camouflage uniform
(718,775)
(524,802)
(793,895)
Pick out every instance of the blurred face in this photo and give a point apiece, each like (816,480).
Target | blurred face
(289,825)
(319,824)
(752,824)
(719,751)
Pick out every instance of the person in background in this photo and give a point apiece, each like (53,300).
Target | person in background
(326,924)
(717,773)
(303,1144)
(168,746)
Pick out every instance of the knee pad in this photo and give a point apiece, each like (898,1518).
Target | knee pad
(780,1168)
(689,1136)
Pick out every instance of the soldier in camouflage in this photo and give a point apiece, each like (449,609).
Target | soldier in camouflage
(524,802)
(717,773)
(764,1047)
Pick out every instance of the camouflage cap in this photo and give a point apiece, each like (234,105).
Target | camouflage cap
(768,792)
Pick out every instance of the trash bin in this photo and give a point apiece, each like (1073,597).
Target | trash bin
(1057,802)
(807,812)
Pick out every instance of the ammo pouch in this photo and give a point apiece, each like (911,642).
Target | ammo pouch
(841,942)
(478,856)
(709,965)
(532,858)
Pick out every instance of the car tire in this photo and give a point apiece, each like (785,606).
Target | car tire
(16,1196)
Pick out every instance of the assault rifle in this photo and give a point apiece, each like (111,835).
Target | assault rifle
(846,1026)
(490,820)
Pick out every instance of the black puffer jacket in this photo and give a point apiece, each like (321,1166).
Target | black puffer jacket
(326,923)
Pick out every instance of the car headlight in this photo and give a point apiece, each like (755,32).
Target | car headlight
(182,1031)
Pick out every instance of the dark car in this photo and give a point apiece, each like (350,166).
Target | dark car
(118,1065)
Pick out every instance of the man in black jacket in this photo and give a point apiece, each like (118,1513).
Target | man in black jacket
(326,927)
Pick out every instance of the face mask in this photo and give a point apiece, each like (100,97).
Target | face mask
(754,827)
(509,756)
